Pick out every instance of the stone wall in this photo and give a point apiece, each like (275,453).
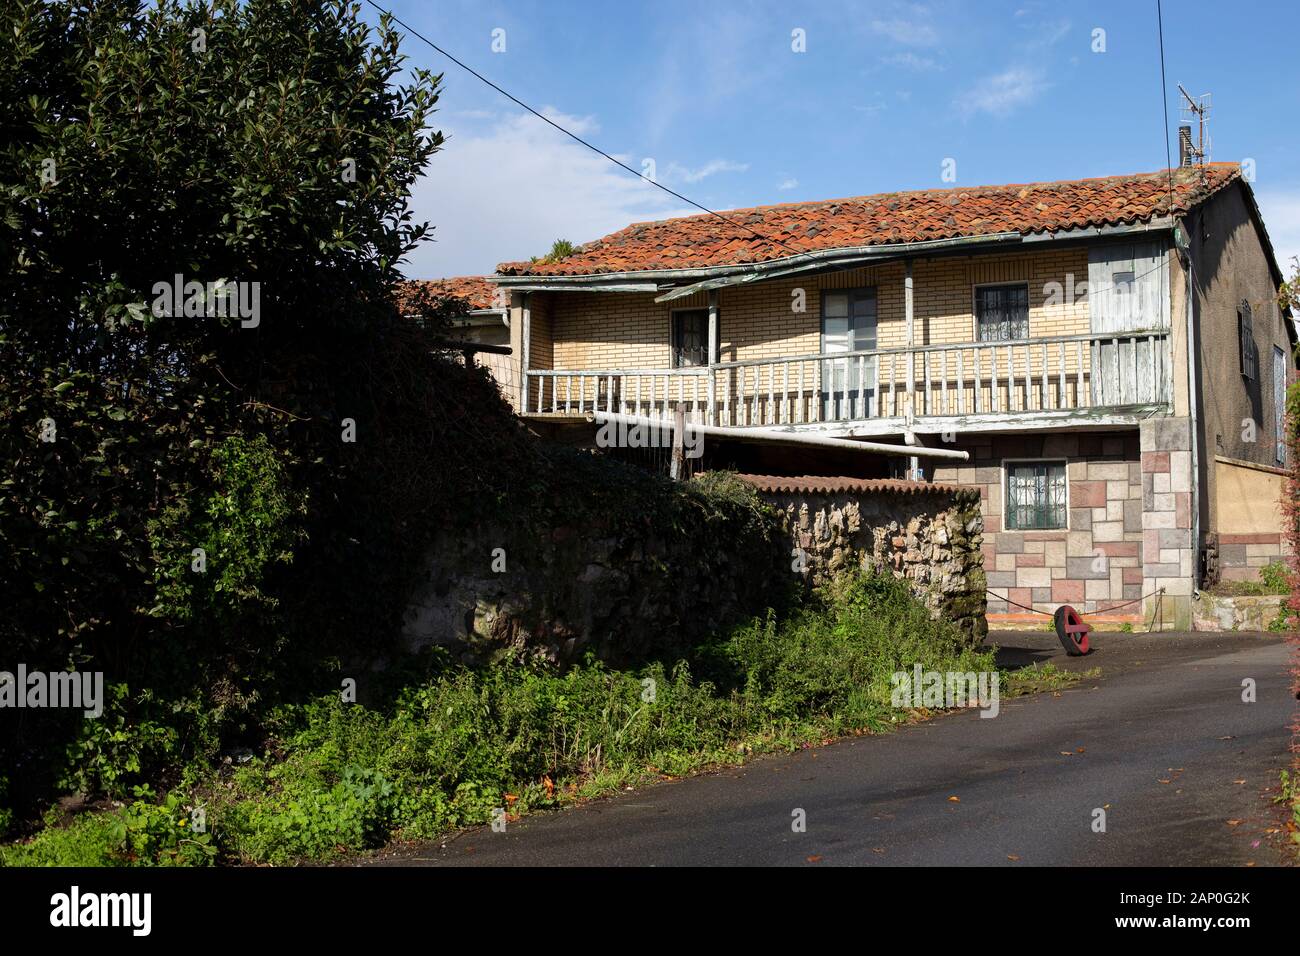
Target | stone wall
(1213,612)
(648,570)
(654,583)
(931,535)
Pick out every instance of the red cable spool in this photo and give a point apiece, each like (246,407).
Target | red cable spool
(1071,630)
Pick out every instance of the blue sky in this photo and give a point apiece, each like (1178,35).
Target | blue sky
(714,94)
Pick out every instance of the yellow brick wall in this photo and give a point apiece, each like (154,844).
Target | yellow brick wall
(620,330)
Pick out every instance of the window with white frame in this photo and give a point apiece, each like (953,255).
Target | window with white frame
(1036,496)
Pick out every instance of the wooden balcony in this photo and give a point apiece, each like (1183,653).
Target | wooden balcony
(1096,378)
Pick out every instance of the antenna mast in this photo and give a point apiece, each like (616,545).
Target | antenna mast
(1194,110)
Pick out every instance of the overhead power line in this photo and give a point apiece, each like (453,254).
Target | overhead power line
(575,137)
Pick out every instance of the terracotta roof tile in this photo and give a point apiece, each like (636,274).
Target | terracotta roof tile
(968,211)
(478,292)
(830,485)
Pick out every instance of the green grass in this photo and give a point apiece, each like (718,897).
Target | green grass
(451,748)
(1037,678)
(1273,580)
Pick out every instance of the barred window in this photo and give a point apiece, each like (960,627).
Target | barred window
(1036,496)
(690,333)
(1246,336)
(1002,312)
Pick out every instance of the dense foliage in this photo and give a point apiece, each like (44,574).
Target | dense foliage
(267,142)
(458,744)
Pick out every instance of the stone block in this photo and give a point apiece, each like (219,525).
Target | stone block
(1082,569)
(1108,531)
(1097,590)
(1067,591)
(1108,471)
(1133,515)
(1166,434)
(1033,578)
(1157,519)
(1010,543)
(1180,471)
(1079,543)
(1155,461)
(1088,494)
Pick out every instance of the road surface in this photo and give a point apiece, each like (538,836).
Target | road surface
(1162,742)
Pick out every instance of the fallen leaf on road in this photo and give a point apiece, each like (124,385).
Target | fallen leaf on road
(1234,823)
(1078,750)
(1163,781)
(954,799)
(1066,753)
(1239,781)
(1013,858)
(877,849)
(814,859)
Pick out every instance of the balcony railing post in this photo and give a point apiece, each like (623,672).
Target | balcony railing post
(713,355)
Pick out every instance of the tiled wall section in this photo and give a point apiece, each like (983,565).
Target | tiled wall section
(1167,548)
(1096,562)
(1242,555)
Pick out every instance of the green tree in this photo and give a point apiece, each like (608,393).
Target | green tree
(263,150)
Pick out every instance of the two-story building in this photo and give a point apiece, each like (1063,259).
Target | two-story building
(1108,352)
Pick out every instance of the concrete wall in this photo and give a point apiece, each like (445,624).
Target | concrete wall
(1237,416)
(1247,501)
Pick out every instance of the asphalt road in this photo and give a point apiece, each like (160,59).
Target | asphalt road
(1162,741)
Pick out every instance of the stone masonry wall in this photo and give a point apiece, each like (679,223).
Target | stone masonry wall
(928,534)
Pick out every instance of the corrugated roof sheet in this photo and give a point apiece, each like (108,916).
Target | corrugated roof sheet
(832,485)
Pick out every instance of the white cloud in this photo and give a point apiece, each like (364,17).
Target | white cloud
(1003,92)
(508,190)
(711,168)
(789,183)
(910,31)
(910,61)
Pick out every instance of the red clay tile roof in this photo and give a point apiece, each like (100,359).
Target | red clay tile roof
(703,241)
(477,291)
(819,485)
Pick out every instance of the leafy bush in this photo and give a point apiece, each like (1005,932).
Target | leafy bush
(112,752)
(1274,578)
(453,748)
(144,832)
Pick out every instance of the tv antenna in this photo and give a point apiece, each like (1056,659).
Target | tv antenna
(1194,110)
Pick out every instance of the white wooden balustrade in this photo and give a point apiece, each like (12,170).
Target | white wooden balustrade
(1005,378)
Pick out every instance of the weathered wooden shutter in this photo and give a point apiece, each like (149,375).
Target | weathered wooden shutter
(1128,291)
